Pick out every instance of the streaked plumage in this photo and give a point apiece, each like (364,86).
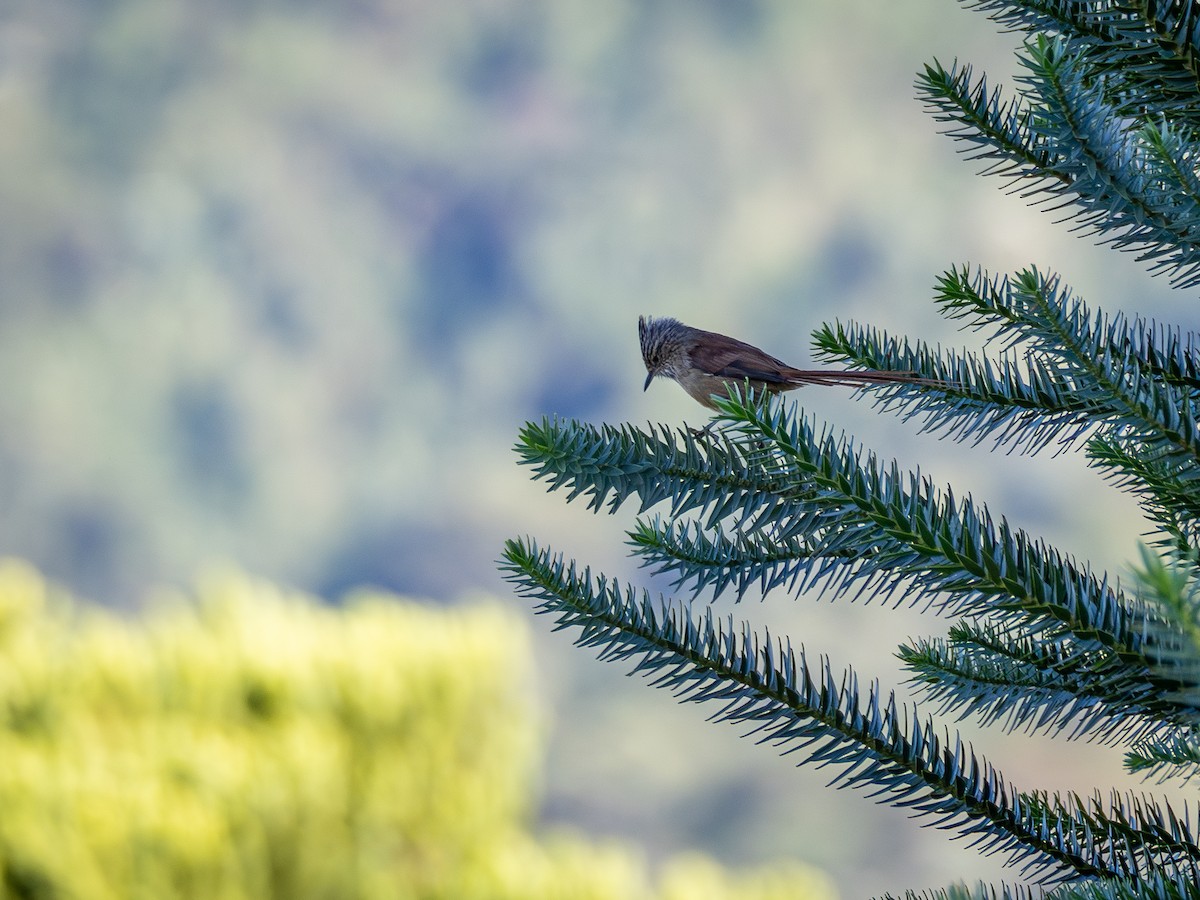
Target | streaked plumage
(706,363)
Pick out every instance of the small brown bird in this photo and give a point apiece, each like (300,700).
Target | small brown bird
(706,363)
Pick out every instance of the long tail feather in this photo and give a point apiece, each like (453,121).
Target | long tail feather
(800,377)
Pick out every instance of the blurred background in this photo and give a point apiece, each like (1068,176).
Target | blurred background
(280,281)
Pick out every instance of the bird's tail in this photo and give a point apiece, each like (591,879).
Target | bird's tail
(800,377)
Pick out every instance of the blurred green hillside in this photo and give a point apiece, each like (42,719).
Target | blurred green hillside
(255,744)
(279,282)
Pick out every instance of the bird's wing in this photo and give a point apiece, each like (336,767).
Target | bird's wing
(728,357)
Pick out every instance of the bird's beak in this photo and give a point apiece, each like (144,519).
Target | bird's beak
(649,378)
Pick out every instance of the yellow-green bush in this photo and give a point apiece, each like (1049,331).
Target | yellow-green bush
(259,744)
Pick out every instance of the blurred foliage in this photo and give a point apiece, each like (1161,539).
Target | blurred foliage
(255,743)
(253,252)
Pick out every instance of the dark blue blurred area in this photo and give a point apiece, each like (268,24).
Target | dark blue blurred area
(209,435)
(467,267)
(91,532)
(577,386)
(416,560)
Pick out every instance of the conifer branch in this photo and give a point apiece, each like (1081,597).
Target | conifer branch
(1122,194)
(962,892)
(1171,756)
(704,560)
(1170,493)
(983,670)
(1151,887)
(817,505)
(1147,50)
(1105,126)
(712,476)
(1073,140)
(876,744)
(1025,407)
(995,130)
(1080,372)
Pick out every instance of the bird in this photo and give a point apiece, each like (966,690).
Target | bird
(707,364)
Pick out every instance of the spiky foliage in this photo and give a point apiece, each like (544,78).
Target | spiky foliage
(1155,887)
(1105,125)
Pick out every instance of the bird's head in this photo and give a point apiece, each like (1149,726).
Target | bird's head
(662,342)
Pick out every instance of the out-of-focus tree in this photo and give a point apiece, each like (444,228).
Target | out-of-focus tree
(255,743)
